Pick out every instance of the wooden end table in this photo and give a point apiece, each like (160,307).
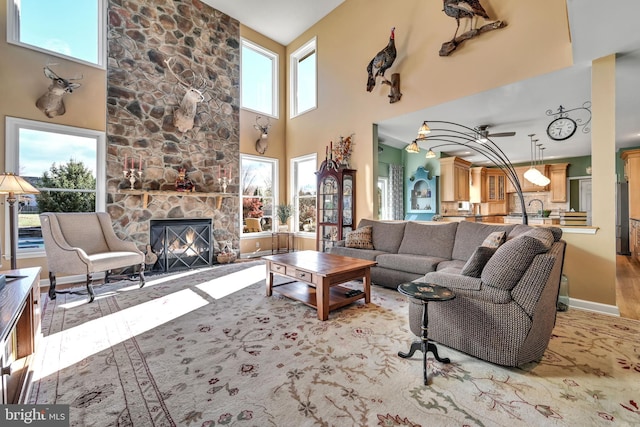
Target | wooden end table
(316,276)
(425,292)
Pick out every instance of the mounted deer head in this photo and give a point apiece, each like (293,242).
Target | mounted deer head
(184,115)
(51,103)
(263,126)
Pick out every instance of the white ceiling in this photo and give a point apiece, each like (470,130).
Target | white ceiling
(597,29)
(280,20)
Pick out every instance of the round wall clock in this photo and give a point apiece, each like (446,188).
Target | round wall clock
(561,128)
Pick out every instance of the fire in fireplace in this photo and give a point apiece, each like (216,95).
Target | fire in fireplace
(181,244)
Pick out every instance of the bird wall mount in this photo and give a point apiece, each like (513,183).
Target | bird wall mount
(380,64)
(472,10)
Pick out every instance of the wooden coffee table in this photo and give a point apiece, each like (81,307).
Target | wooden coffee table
(316,278)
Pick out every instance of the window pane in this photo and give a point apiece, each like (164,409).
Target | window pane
(305,192)
(69,27)
(306,89)
(63,168)
(257,195)
(257,81)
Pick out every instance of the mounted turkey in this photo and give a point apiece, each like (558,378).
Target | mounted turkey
(463,9)
(381,62)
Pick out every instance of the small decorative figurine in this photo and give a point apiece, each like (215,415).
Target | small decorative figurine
(183,183)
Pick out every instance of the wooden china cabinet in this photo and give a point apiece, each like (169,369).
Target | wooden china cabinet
(336,207)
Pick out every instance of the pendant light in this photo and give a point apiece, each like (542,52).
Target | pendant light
(532,174)
(413,147)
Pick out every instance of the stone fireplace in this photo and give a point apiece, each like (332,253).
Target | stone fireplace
(203,47)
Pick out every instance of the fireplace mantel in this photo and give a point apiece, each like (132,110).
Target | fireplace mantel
(145,194)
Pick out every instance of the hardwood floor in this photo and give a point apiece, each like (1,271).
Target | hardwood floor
(628,286)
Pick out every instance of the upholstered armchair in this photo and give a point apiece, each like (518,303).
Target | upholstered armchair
(85,243)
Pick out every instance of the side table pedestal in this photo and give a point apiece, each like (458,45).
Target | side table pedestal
(425,292)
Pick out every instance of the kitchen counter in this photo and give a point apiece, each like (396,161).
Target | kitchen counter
(473,218)
(509,219)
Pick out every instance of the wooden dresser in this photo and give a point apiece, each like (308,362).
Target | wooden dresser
(20,310)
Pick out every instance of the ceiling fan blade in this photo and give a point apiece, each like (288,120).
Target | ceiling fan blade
(499,134)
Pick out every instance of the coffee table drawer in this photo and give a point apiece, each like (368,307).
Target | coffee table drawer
(278,268)
(304,276)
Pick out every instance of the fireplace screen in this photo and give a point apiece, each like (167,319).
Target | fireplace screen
(181,244)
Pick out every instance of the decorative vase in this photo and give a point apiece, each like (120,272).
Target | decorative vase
(283,228)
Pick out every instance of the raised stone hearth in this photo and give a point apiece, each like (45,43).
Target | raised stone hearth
(204,46)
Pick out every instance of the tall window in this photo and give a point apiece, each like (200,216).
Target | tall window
(304,185)
(69,28)
(304,79)
(65,163)
(259,79)
(259,184)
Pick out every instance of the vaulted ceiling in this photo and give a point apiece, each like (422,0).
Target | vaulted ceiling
(597,29)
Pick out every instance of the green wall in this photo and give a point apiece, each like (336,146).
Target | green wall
(388,156)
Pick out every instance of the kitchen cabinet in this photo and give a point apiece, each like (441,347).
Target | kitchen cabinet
(558,185)
(489,187)
(478,186)
(454,179)
(336,209)
(632,171)
(496,192)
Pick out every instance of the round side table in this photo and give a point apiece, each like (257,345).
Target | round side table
(425,292)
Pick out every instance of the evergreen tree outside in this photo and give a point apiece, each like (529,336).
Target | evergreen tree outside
(73,175)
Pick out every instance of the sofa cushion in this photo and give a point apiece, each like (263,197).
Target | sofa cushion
(521,229)
(434,240)
(359,238)
(386,236)
(494,240)
(475,264)
(450,265)
(369,255)
(507,265)
(470,235)
(417,264)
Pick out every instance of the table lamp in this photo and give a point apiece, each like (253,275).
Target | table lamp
(13,185)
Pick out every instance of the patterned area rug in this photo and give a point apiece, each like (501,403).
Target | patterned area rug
(208,348)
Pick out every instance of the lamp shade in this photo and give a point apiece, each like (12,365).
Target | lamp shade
(536,177)
(532,175)
(424,130)
(413,147)
(430,154)
(10,183)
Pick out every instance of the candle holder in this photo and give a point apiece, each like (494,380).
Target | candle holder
(223,182)
(132,175)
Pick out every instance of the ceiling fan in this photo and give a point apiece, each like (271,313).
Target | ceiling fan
(482,133)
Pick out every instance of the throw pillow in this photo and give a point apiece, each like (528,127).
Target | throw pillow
(360,238)
(477,261)
(506,267)
(495,239)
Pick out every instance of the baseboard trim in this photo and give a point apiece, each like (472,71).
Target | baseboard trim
(595,307)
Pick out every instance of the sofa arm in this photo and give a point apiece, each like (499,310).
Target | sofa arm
(470,287)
